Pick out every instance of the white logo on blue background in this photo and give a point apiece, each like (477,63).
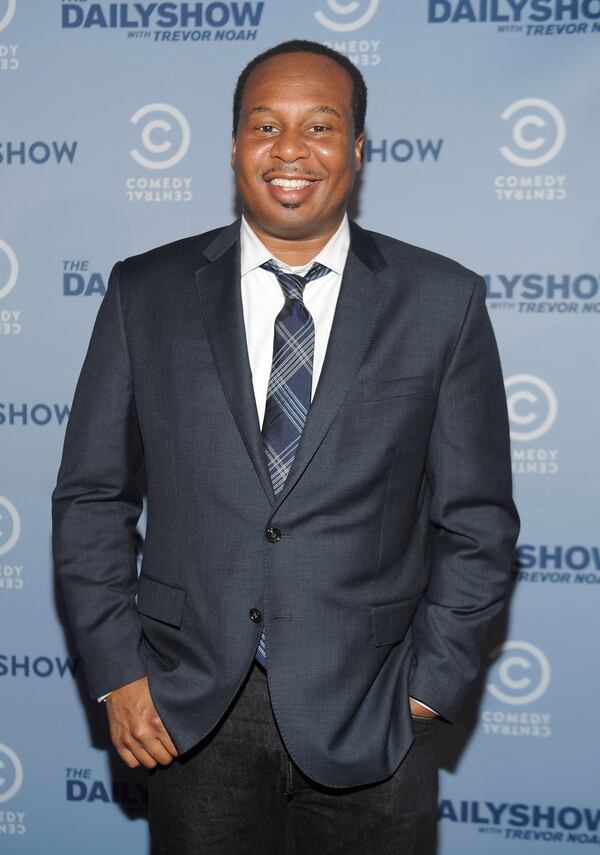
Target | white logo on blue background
(10,525)
(345,9)
(8,15)
(155,136)
(6,285)
(538,132)
(11,773)
(532,406)
(521,674)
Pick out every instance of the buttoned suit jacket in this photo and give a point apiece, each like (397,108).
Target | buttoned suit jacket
(395,528)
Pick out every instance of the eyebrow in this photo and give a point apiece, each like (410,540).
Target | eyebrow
(322,108)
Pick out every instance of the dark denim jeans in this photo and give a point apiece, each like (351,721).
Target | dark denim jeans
(239,793)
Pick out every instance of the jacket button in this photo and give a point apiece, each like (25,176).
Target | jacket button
(273,535)
(255,615)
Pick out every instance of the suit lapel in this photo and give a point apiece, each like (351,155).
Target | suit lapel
(218,285)
(356,310)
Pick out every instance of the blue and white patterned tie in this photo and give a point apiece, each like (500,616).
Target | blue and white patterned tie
(290,383)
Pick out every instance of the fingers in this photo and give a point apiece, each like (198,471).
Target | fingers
(146,745)
(136,729)
(149,754)
(157,752)
(167,742)
(126,756)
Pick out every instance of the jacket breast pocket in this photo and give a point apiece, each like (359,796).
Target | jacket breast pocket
(391,620)
(160,601)
(396,387)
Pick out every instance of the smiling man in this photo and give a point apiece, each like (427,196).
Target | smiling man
(320,413)
(296,150)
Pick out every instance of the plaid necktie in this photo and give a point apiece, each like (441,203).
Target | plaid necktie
(290,383)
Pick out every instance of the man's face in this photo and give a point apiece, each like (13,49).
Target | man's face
(295,155)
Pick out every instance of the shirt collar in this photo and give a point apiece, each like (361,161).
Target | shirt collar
(333,255)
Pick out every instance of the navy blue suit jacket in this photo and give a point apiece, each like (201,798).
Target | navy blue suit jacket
(397,522)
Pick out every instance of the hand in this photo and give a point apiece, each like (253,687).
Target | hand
(417,708)
(136,730)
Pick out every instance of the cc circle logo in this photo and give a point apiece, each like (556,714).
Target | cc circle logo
(538,132)
(11,773)
(532,406)
(8,15)
(168,122)
(13,269)
(345,9)
(523,673)
(10,525)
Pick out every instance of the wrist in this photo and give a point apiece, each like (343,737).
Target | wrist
(422,710)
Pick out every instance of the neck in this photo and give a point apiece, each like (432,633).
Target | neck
(295,252)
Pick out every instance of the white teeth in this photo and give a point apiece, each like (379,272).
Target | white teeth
(290,183)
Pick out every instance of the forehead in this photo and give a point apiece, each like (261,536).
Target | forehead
(299,77)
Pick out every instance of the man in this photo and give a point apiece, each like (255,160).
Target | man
(321,416)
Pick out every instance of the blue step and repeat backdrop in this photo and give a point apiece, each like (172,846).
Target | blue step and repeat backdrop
(483,128)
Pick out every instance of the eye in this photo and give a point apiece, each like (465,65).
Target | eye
(318,129)
(267,129)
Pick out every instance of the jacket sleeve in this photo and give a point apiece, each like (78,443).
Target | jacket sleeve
(473,520)
(96,505)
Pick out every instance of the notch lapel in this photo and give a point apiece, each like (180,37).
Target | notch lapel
(218,287)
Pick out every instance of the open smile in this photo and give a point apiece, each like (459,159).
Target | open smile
(291,183)
(293,190)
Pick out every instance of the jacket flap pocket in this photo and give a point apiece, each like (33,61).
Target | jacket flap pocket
(418,384)
(160,601)
(391,620)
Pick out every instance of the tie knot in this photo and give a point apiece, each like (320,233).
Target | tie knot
(293,284)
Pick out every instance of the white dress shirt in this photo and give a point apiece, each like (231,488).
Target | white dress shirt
(263,299)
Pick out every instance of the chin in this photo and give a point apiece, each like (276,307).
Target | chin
(287,218)
(291,227)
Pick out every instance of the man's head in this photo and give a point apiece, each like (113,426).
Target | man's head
(299,113)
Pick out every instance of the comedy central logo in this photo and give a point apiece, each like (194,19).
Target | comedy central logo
(537,134)
(155,134)
(8,281)
(9,13)
(10,319)
(10,525)
(520,675)
(8,52)
(11,773)
(12,577)
(532,411)
(164,140)
(350,15)
(532,406)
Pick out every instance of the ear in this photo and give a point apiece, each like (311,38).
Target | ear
(233,151)
(358,151)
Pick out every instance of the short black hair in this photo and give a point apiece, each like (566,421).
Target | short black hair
(359,87)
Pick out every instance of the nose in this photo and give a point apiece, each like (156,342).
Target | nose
(289,146)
